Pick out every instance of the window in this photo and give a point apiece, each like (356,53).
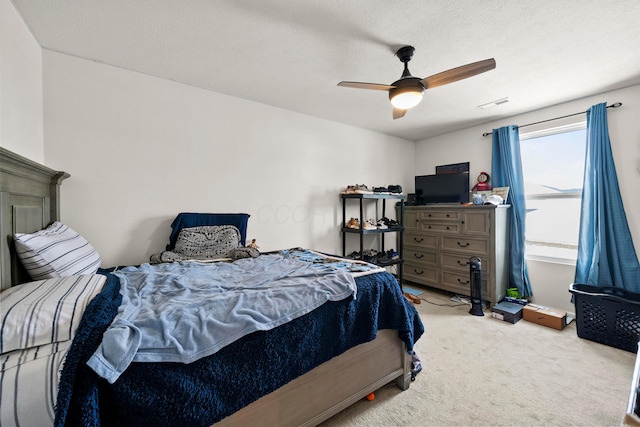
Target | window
(553,170)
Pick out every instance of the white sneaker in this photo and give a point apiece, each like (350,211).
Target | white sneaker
(362,189)
(369,225)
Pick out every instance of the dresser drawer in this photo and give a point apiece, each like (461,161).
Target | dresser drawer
(461,282)
(417,256)
(440,214)
(420,274)
(478,247)
(421,240)
(439,227)
(461,262)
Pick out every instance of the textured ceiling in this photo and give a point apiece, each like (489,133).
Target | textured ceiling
(291,54)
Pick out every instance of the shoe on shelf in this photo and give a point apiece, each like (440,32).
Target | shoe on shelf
(354,255)
(395,189)
(391,223)
(370,256)
(383,258)
(362,189)
(369,225)
(353,223)
(381,190)
(388,257)
(349,189)
(381,225)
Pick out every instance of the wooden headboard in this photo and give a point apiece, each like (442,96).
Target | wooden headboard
(29,201)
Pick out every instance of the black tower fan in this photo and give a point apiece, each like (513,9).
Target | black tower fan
(475,267)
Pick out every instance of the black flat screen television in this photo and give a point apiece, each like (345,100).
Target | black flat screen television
(442,188)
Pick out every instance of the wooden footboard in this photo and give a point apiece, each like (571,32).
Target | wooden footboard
(332,386)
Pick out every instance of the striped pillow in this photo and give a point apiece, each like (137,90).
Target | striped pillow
(56,251)
(45,311)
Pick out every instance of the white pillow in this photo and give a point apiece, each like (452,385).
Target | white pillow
(46,311)
(56,251)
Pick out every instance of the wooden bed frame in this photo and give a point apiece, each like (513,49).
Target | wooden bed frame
(29,201)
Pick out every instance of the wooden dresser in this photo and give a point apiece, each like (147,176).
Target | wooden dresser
(440,239)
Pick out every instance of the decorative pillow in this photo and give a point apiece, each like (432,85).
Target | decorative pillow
(56,251)
(207,242)
(45,311)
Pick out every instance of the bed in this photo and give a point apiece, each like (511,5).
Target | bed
(311,384)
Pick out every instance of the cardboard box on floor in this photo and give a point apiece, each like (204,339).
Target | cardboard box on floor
(546,316)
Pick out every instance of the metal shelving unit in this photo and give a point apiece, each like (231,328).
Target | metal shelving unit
(399,230)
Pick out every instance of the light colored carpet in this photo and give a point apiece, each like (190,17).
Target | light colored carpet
(481,371)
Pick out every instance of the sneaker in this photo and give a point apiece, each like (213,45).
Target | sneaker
(383,258)
(388,257)
(354,255)
(369,225)
(391,223)
(381,225)
(395,189)
(381,190)
(370,256)
(350,189)
(353,223)
(393,255)
(362,189)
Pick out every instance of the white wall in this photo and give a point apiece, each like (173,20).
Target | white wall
(20,87)
(550,282)
(141,149)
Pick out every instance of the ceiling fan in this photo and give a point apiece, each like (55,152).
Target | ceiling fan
(406,92)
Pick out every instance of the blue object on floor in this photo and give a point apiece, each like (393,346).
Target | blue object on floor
(412,291)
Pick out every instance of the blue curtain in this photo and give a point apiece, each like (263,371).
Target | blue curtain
(606,256)
(506,171)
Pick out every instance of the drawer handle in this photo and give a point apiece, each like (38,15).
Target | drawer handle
(429,227)
(461,263)
(447,228)
(418,255)
(418,272)
(447,215)
(463,246)
(415,239)
(466,282)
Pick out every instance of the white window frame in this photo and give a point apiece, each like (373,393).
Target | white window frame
(578,125)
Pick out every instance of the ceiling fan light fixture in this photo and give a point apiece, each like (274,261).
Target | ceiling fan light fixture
(405,97)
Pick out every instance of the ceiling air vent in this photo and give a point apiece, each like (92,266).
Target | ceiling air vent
(494,103)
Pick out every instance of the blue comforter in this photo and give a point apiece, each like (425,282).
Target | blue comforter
(209,389)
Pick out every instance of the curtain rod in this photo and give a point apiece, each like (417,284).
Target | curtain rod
(614,105)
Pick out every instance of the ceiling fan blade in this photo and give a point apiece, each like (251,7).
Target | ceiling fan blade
(398,113)
(360,85)
(459,73)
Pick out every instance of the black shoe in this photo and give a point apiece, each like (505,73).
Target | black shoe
(391,223)
(395,189)
(385,258)
(370,256)
(380,190)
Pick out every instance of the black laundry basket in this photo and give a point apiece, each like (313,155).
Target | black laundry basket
(607,315)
